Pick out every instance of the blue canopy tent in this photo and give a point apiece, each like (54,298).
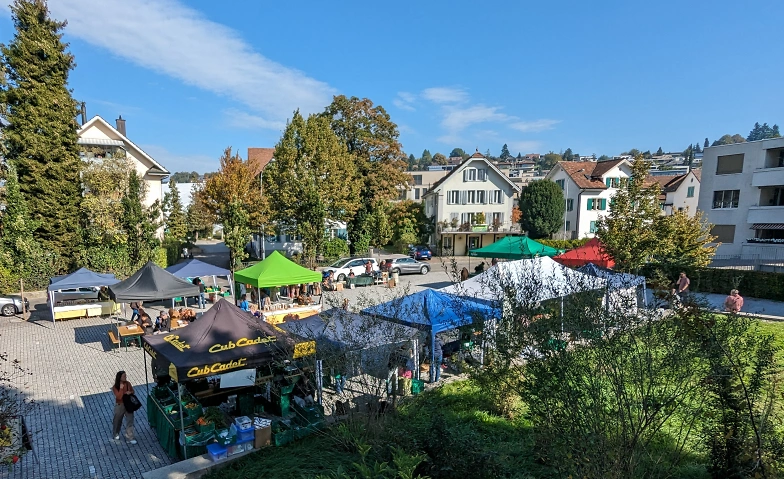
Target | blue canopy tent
(81,278)
(193,268)
(433,311)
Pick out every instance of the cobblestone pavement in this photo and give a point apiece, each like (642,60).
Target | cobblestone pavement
(73,369)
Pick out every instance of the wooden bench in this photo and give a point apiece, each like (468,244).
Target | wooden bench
(114,339)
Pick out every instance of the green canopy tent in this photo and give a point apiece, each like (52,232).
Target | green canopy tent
(514,247)
(276,270)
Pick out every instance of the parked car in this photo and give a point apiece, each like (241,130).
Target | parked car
(344,266)
(421,252)
(11,305)
(407,265)
(76,295)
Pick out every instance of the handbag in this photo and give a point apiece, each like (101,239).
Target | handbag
(131,403)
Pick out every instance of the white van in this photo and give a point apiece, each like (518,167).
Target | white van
(344,266)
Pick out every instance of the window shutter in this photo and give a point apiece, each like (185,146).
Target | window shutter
(608,182)
(464,198)
(485,194)
(603,204)
(465,175)
(449,197)
(484,175)
(590,205)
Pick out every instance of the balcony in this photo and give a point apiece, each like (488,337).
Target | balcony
(765,214)
(767,177)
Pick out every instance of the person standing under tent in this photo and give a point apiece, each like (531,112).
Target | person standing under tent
(438,358)
(202,301)
(135,307)
(121,388)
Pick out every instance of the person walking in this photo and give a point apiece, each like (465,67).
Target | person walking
(683,286)
(202,300)
(120,389)
(734,302)
(438,358)
(135,307)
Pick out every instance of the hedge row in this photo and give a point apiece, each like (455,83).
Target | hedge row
(754,284)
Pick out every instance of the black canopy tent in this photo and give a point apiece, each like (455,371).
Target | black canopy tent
(224,339)
(151,283)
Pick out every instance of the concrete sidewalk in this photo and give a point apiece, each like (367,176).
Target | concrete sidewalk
(764,308)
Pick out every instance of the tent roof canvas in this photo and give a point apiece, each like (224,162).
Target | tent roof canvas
(348,330)
(81,278)
(514,247)
(615,280)
(535,279)
(193,268)
(151,283)
(276,270)
(225,338)
(432,310)
(590,252)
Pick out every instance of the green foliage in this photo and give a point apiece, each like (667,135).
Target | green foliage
(378,225)
(426,158)
(706,144)
(409,224)
(564,244)
(140,223)
(659,152)
(542,205)
(763,132)
(335,248)
(105,180)
(755,284)
(39,134)
(440,159)
(185,177)
(236,233)
(176,226)
(198,219)
(458,152)
(313,179)
(161,257)
(549,160)
(728,140)
(505,152)
(362,243)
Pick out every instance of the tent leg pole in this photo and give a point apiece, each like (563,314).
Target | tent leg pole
(182,422)
(146,378)
(433,364)
(320,381)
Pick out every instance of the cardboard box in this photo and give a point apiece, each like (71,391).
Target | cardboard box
(338,286)
(263,437)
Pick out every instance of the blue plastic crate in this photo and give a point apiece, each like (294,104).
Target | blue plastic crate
(246,434)
(217,452)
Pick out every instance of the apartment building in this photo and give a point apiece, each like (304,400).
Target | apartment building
(472,206)
(742,196)
(421,183)
(588,187)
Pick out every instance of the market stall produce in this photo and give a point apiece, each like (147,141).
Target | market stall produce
(226,347)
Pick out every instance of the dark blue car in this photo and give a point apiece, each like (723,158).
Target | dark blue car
(421,252)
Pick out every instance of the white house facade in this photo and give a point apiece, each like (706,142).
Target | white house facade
(681,193)
(421,183)
(742,195)
(98,135)
(457,202)
(588,187)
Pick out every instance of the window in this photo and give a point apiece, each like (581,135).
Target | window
(726,199)
(472,174)
(690,192)
(597,204)
(467,218)
(729,164)
(417,180)
(424,190)
(447,242)
(602,204)
(481,197)
(723,233)
(416,193)
(612,182)
(470,197)
(569,205)
(481,175)
(498,197)
(452,197)
(402,195)
(560,183)
(592,227)
(590,204)
(568,225)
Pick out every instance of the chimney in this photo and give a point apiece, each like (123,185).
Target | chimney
(121,125)
(83,111)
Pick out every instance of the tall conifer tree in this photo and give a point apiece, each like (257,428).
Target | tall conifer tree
(40,138)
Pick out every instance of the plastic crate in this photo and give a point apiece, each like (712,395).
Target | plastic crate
(417,386)
(224,441)
(217,452)
(235,449)
(284,437)
(245,434)
(205,427)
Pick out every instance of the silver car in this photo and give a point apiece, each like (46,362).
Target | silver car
(11,305)
(408,265)
(76,295)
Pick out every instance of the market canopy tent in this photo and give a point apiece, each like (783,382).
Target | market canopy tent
(433,311)
(514,247)
(590,252)
(81,278)
(224,339)
(621,287)
(194,268)
(276,270)
(529,280)
(151,283)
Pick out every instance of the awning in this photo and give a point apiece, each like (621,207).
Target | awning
(100,141)
(767,226)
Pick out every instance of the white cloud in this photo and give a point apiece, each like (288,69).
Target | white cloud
(404,101)
(175,162)
(534,126)
(457,119)
(240,119)
(170,38)
(445,95)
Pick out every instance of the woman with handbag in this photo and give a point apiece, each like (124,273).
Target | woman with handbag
(122,395)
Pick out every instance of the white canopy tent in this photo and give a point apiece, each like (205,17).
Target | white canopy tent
(621,288)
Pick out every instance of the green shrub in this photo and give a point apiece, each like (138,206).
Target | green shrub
(335,248)
(161,257)
(564,244)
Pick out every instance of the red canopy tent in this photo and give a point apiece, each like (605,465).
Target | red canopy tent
(590,252)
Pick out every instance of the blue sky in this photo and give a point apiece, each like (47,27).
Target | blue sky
(192,77)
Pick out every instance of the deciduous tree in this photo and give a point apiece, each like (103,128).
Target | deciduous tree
(440,159)
(458,152)
(542,206)
(40,135)
(549,160)
(105,181)
(314,178)
(728,140)
(197,218)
